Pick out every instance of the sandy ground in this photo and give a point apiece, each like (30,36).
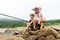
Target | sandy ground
(7,33)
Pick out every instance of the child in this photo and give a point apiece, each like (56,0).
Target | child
(38,18)
(30,22)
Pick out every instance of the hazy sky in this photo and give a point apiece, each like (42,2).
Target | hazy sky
(22,8)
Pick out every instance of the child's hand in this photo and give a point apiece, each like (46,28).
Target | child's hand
(28,24)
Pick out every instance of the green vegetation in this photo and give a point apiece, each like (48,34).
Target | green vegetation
(10,23)
(52,22)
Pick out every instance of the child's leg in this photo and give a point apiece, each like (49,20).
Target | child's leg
(34,23)
(41,25)
(42,22)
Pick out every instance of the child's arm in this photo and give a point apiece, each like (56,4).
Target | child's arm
(28,24)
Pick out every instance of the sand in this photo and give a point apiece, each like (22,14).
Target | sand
(23,34)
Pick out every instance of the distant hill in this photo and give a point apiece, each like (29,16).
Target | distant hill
(5,22)
(52,22)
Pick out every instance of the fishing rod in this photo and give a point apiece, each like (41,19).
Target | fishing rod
(11,16)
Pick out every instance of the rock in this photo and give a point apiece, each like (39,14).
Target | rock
(25,34)
(20,38)
(42,38)
(33,32)
(50,37)
(33,37)
(13,38)
(43,34)
(2,30)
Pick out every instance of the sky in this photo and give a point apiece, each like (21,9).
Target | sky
(22,8)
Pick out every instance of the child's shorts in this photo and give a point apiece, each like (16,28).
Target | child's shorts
(37,26)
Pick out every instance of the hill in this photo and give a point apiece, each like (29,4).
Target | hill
(5,22)
(52,22)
